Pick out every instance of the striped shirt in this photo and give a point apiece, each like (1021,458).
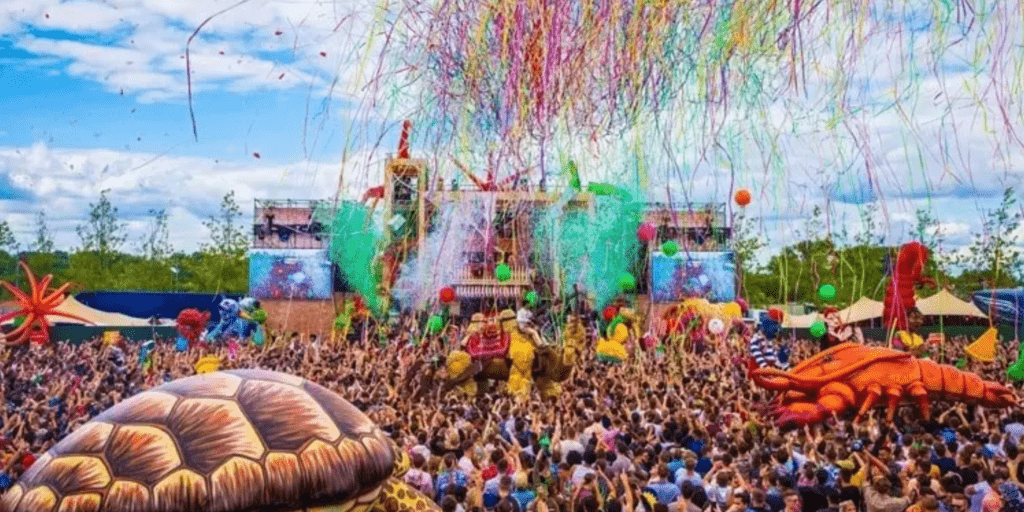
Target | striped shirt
(763,352)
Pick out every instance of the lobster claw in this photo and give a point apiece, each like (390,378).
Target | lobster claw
(801,414)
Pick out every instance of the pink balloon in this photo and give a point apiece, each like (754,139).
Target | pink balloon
(646,232)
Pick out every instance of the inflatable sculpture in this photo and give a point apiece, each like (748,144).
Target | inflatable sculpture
(237,320)
(495,350)
(854,376)
(34,306)
(246,430)
(626,326)
(190,324)
(899,294)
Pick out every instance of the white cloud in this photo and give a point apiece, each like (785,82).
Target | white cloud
(64,182)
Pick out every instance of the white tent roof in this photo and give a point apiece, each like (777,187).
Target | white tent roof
(863,309)
(800,321)
(101,318)
(944,303)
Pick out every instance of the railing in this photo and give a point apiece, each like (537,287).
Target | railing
(483,275)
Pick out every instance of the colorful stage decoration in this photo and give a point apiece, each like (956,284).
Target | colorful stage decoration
(906,276)
(854,376)
(695,315)
(495,349)
(34,306)
(190,325)
(709,275)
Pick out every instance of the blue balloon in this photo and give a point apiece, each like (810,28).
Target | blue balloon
(182,344)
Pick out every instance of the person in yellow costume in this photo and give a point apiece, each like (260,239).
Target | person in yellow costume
(521,352)
(909,339)
(624,329)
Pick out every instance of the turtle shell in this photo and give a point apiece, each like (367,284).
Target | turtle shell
(233,441)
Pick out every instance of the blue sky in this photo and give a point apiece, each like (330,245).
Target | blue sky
(94,97)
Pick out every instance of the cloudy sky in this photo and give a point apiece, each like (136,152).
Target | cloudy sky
(95,98)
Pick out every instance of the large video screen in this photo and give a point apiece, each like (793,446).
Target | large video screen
(290,274)
(710,275)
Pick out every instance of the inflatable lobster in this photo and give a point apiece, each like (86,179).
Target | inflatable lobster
(899,295)
(854,375)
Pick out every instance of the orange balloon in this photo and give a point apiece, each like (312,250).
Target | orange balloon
(742,197)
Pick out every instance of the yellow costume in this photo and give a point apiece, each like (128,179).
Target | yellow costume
(521,350)
(613,348)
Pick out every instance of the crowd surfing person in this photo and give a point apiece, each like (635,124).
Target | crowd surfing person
(684,432)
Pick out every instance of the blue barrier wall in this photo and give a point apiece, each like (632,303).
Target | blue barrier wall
(159,304)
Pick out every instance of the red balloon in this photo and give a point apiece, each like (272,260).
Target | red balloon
(776,314)
(609,313)
(742,197)
(447,294)
(646,232)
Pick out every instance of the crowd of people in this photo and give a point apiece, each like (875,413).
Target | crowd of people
(673,430)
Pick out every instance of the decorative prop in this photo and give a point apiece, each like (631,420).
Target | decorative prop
(818,329)
(716,326)
(827,293)
(851,375)
(984,348)
(627,282)
(435,324)
(670,248)
(502,273)
(1016,372)
(612,348)
(236,320)
(742,197)
(531,298)
(446,295)
(646,232)
(207,364)
(39,302)
(190,324)
(899,294)
(242,414)
(471,370)
(609,313)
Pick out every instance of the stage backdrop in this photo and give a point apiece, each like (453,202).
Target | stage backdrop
(290,274)
(710,275)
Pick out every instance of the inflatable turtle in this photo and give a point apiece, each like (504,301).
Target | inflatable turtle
(233,441)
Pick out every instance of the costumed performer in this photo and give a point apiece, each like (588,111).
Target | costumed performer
(838,332)
(521,353)
(908,339)
(622,332)
(763,350)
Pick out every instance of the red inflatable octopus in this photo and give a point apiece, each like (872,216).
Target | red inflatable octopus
(907,274)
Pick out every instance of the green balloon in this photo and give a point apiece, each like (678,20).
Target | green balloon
(435,324)
(827,293)
(669,248)
(502,272)
(531,298)
(1016,372)
(627,282)
(818,329)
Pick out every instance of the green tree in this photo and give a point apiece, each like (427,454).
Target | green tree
(745,245)
(994,257)
(221,264)
(43,241)
(103,234)
(8,242)
(227,235)
(156,245)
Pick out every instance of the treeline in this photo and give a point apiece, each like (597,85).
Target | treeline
(859,265)
(102,261)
